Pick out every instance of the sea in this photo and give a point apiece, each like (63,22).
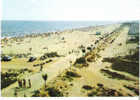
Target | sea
(16,28)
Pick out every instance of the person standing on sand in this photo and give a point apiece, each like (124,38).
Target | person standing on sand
(15,93)
(30,49)
(19,83)
(24,83)
(19,79)
(41,67)
(29,81)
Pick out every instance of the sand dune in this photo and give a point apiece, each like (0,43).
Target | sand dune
(111,43)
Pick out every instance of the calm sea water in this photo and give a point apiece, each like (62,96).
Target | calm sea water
(20,28)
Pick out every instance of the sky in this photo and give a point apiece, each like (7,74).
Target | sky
(70,9)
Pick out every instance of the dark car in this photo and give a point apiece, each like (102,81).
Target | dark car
(6,58)
(31,59)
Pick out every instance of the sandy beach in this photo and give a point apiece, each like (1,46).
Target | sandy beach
(91,61)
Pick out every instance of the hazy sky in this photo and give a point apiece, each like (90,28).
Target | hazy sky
(70,9)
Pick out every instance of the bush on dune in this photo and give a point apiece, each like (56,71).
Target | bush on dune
(72,74)
(7,79)
(87,87)
(115,75)
(36,93)
(49,55)
(51,92)
(134,56)
(80,60)
(104,91)
(125,64)
(54,92)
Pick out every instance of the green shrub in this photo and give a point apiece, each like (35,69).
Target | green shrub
(87,87)
(49,55)
(8,79)
(54,92)
(72,74)
(80,60)
(115,75)
(36,93)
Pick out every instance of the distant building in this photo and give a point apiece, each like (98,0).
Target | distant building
(134,29)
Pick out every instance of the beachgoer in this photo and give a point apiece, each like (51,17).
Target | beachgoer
(19,83)
(41,67)
(15,93)
(30,49)
(24,83)
(29,83)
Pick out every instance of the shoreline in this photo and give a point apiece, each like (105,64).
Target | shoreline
(53,32)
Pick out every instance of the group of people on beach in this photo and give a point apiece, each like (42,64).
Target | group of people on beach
(23,83)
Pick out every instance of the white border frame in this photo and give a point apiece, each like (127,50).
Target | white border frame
(68,98)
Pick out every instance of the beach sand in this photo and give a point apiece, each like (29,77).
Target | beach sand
(67,45)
